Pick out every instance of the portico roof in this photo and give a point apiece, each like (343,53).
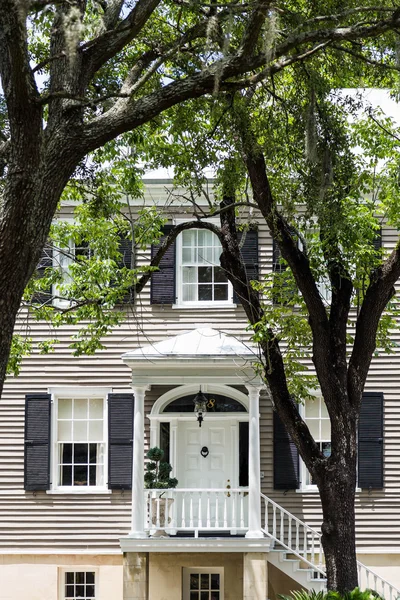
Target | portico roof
(203,354)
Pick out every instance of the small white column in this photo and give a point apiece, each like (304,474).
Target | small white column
(254,464)
(138,508)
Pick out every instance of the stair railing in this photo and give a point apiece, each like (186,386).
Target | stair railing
(304,542)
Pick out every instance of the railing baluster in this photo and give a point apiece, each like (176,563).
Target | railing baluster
(274,521)
(191,510)
(312,548)
(282,538)
(297,537)
(158,513)
(183,510)
(217,510)
(225,513)
(234,508)
(266,524)
(241,511)
(208,511)
(290,532)
(199,518)
(304,542)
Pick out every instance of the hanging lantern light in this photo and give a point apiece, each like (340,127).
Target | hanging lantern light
(200,406)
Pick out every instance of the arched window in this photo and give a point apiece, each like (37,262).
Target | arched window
(217,403)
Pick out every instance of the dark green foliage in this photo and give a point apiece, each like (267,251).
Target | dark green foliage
(157,472)
(355,594)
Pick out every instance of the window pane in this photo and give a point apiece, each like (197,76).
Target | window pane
(187,256)
(65,408)
(66,476)
(95,431)
(325,429)
(202,237)
(69,577)
(80,577)
(80,591)
(194,581)
(219,275)
(92,453)
(205,581)
(80,475)
(80,431)
(96,408)
(188,237)
(205,274)
(80,408)
(194,595)
(312,408)
(326,448)
(81,453)
(189,293)
(64,431)
(220,292)
(214,596)
(66,453)
(204,596)
(69,591)
(89,577)
(189,275)
(313,426)
(215,580)
(92,475)
(205,292)
(324,410)
(90,591)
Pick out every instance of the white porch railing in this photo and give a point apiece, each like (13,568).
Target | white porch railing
(305,543)
(189,509)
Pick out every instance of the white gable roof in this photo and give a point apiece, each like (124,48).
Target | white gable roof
(204,342)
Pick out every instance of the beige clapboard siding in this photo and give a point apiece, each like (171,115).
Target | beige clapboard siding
(89,522)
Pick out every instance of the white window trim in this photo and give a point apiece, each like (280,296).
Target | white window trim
(76,569)
(77,392)
(194,570)
(178,278)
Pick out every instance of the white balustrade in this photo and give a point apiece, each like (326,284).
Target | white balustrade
(191,509)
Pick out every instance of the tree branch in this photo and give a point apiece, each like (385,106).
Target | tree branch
(108,44)
(16,74)
(379,293)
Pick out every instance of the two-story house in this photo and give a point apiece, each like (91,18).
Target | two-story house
(243,522)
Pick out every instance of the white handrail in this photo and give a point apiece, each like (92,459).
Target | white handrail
(286,528)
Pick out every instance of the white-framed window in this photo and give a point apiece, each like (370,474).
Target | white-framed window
(79,584)
(200,278)
(317,419)
(63,258)
(79,450)
(203,583)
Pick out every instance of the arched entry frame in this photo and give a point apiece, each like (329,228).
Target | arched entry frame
(157,416)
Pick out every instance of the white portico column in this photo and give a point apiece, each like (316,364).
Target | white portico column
(254,464)
(137,530)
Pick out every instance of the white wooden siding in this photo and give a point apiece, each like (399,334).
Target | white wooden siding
(39,521)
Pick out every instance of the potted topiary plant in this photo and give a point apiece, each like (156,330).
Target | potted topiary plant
(157,477)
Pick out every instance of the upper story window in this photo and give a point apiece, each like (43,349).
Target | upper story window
(200,279)
(80,444)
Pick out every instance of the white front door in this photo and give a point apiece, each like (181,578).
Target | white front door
(207,455)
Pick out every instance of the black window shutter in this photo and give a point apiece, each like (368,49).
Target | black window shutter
(163,281)
(37,442)
(120,441)
(249,252)
(125,248)
(46,260)
(286,458)
(243,453)
(377,242)
(370,441)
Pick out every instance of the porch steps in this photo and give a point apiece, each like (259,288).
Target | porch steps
(296,569)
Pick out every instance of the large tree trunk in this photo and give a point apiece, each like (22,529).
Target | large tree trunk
(337,482)
(338,535)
